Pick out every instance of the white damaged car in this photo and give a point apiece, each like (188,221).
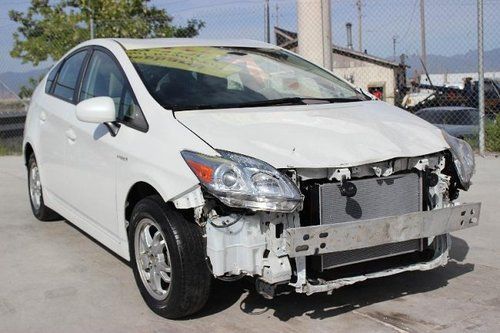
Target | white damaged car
(201,159)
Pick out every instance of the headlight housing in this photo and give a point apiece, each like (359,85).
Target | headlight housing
(244,182)
(463,159)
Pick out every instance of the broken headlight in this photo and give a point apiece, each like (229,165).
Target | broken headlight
(244,182)
(463,159)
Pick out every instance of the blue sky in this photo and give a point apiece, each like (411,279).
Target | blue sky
(450,24)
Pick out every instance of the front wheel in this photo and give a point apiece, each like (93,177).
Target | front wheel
(168,259)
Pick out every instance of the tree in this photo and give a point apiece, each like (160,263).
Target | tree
(47,31)
(27,90)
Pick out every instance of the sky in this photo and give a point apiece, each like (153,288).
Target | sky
(451,25)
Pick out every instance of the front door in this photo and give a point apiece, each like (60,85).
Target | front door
(92,157)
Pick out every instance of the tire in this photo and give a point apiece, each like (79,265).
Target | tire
(174,280)
(35,193)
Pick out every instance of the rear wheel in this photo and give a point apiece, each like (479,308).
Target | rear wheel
(41,212)
(168,258)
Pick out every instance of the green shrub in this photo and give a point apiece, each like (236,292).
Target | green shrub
(10,148)
(473,141)
(492,135)
(12,105)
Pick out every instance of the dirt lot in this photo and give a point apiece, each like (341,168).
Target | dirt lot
(53,278)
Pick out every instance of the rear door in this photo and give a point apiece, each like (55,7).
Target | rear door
(56,107)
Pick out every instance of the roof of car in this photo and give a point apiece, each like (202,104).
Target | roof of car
(148,43)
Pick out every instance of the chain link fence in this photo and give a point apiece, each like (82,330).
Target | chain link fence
(420,56)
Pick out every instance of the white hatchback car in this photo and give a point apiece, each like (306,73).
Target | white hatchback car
(200,159)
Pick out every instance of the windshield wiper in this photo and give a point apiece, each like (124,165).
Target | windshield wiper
(332,100)
(269,102)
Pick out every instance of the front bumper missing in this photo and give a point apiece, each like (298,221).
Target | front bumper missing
(304,241)
(314,240)
(442,245)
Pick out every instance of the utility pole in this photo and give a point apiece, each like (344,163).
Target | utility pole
(422,33)
(480,69)
(267,28)
(314,28)
(277,15)
(359,5)
(91,23)
(90,12)
(394,40)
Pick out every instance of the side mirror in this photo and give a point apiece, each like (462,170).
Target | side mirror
(96,110)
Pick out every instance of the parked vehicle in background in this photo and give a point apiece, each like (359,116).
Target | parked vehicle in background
(452,96)
(461,122)
(201,159)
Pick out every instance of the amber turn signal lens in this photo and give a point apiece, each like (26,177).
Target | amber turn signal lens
(202,171)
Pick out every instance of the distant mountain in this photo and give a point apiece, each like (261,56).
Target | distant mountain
(460,63)
(15,80)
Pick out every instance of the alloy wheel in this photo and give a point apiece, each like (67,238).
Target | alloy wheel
(35,186)
(152,258)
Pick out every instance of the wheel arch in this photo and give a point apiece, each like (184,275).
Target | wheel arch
(137,192)
(135,187)
(28,150)
(142,189)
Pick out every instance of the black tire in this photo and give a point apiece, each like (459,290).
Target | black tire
(189,286)
(41,212)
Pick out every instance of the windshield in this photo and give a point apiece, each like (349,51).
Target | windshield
(184,78)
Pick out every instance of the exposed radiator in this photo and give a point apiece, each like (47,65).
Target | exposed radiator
(375,197)
(342,258)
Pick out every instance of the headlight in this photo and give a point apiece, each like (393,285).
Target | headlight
(463,159)
(244,182)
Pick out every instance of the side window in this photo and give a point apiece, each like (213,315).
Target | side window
(130,112)
(50,78)
(104,78)
(68,76)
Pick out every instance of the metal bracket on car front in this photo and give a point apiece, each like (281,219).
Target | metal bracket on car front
(190,199)
(304,241)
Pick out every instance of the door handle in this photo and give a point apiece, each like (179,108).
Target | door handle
(43,116)
(71,135)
